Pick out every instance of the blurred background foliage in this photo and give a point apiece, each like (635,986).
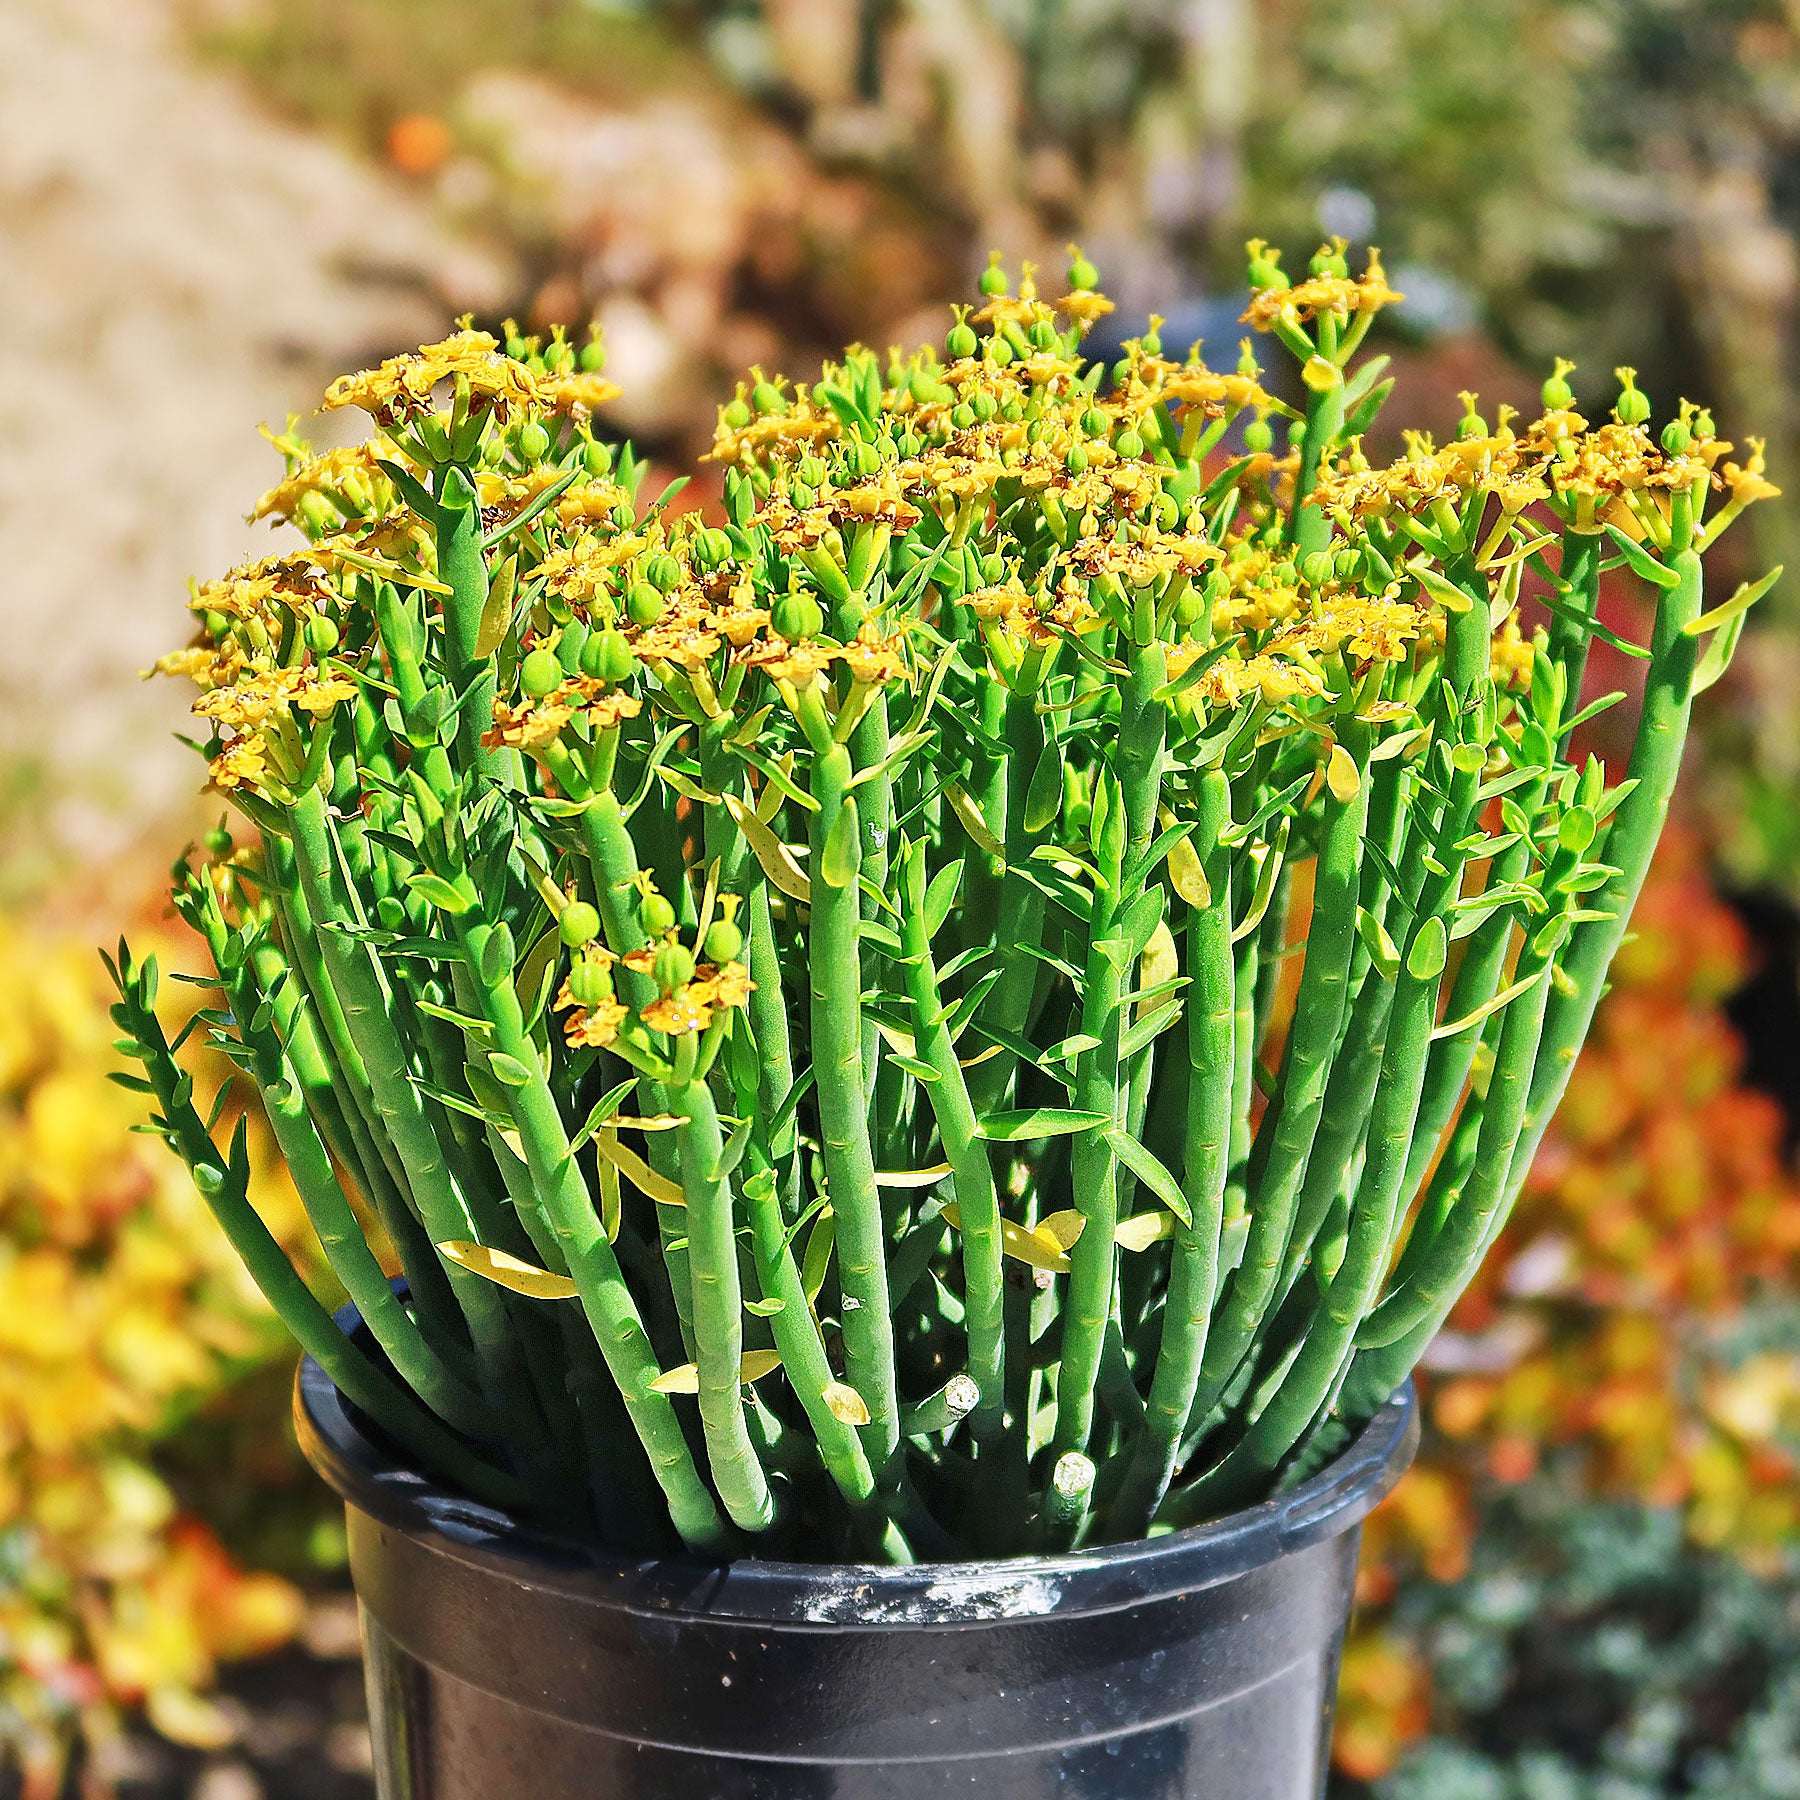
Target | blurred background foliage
(1589,1586)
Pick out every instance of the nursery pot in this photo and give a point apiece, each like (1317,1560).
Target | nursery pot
(506,1665)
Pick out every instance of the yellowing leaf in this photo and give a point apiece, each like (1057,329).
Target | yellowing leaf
(1341,775)
(1029,1247)
(636,1170)
(776,858)
(1158,964)
(969,816)
(1143,1230)
(686,1379)
(908,1178)
(1187,875)
(1061,1229)
(845,1403)
(508,1271)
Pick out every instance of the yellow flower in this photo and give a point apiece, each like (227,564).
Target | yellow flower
(402,386)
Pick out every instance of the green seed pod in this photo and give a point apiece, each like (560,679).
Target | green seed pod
(767,398)
(518,348)
(1000,351)
(1702,423)
(801,495)
(590,982)
(993,567)
(993,278)
(579,924)
(593,356)
(1347,565)
(644,604)
(315,515)
(491,452)
(1259,437)
(1168,512)
(985,405)
(1188,610)
(321,633)
(673,967)
(1151,341)
(1094,422)
(607,656)
(1676,438)
(811,471)
(1632,407)
(1075,460)
(712,547)
(218,840)
(1083,276)
(655,914)
(1043,335)
(963,416)
(1129,445)
(662,571)
(961,340)
(540,674)
(736,414)
(797,617)
(596,457)
(1557,394)
(724,941)
(1317,568)
(534,441)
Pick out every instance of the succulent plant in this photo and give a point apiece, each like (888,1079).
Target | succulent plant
(817,959)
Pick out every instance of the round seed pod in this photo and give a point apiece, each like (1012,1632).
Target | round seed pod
(540,674)
(766,397)
(736,414)
(1317,568)
(593,356)
(314,514)
(1259,437)
(1129,444)
(1676,438)
(590,982)
(655,914)
(1083,276)
(962,340)
(723,941)
(596,457)
(673,967)
(321,633)
(662,571)
(644,604)
(579,924)
(607,656)
(797,617)
(534,441)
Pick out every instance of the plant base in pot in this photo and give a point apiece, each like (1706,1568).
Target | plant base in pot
(503,1663)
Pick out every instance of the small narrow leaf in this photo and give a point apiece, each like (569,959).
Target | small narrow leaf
(439,892)
(1149,1169)
(1037,1122)
(1429,951)
(1641,561)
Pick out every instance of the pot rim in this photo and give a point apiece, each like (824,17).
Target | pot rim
(368,1476)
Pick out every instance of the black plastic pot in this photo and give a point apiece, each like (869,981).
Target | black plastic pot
(503,1665)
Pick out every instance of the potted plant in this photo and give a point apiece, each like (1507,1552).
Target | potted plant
(790,992)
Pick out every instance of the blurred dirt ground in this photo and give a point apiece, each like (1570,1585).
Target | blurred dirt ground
(175,265)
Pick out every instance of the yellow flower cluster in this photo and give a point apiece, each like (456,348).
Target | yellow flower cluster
(121,1305)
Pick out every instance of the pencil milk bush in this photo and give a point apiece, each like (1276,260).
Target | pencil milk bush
(795,984)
